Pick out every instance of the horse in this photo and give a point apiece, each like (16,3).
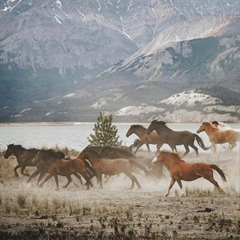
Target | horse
(64,167)
(109,166)
(116,152)
(181,170)
(217,136)
(174,138)
(42,166)
(24,157)
(222,126)
(141,132)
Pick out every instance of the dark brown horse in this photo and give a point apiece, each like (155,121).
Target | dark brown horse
(141,132)
(24,157)
(174,138)
(64,167)
(108,166)
(180,170)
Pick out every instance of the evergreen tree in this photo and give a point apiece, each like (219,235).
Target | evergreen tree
(105,132)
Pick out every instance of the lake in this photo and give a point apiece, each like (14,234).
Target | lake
(74,135)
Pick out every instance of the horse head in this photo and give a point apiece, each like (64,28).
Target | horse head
(204,126)
(9,151)
(154,125)
(158,158)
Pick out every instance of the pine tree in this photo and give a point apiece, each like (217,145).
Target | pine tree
(105,132)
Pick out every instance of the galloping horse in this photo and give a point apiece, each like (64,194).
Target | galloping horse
(109,166)
(141,132)
(42,165)
(174,138)
(217,136)
(63,167)
(24,157)
(222,126)
(115,152)
(180,170)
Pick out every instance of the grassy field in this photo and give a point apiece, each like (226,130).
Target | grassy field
(114,212)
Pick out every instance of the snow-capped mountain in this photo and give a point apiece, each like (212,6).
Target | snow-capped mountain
(66,60)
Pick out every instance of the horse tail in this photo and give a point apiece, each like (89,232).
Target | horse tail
(140,166)
(220,171)
(90,168)
(201,143)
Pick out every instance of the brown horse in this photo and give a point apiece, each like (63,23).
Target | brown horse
(217,136)
(42,165)
(180,170)
(24,157)
(174,138)
(141,132)
(63,167)
(109,166)
(116,152)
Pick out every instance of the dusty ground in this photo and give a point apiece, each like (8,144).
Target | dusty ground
(114,212)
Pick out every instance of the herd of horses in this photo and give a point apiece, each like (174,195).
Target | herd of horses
(96,161)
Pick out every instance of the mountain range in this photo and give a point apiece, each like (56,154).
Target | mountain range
(67,60)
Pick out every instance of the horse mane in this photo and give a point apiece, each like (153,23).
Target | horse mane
(100,150)
(17,146)
(137,126)
(91,150)
(53,153)
(160,122)
(176,155)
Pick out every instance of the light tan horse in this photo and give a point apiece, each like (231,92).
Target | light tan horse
(109,166)
(180,170)
(217,136)
(141,132)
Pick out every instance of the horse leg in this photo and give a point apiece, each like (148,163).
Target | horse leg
(88,181)
(69,181)
(134,180)
(169,188)
(15,170)
(138,146)
(187,150)
(42,174)
(180,185)
(100,180)
(22,171)
(78,177)
(214,147)
(195,148)
(46,179)
(148,147)
(33,175)
(158,148)
(233,145)
(56,180)
(210,178)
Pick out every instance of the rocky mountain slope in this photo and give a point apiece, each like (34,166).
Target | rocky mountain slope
(67,60)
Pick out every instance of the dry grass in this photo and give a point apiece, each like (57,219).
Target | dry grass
(29,212)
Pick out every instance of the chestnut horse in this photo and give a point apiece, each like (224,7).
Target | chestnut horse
(141,132)
(217,136)
(109,166)
(63,167)
(181,170)
(174,138)
(24,157)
